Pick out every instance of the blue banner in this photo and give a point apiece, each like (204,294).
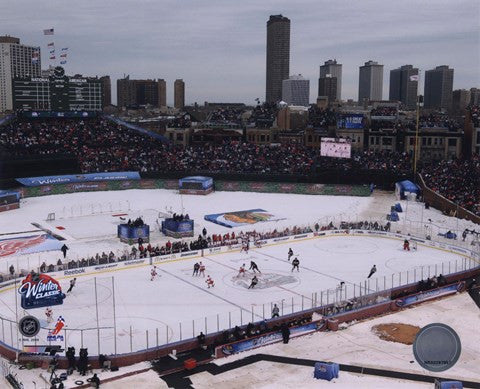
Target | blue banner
(67,179)
(263,340)
(429,295)
(351,121)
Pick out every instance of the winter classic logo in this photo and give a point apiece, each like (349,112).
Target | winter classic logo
(40,290)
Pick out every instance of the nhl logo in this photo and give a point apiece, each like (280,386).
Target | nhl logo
(29,326)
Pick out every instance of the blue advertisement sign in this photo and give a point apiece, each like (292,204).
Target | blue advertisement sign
(72,178)
(40,290)
(429,295)
(263,340)
(351,121)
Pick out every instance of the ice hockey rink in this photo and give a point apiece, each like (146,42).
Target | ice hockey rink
(177,305)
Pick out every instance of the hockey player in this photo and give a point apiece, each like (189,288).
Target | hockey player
(245,246)
(295,264)
(210,282)
(241,271)
(253,283)
(72,284)
(201,269)
(153,273)
(254,267)
(49,314)
(275,311)
(196,268)
(372,271)
(406,245)
(290,253)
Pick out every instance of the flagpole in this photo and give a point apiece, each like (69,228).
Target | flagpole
(416,132)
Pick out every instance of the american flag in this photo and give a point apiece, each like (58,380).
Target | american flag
(52,57)
(48,31)
(63,62)
(63,55)
(51,44)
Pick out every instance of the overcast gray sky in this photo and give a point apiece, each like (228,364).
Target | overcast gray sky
(218,46)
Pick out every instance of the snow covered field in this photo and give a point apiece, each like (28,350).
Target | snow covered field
(177,305)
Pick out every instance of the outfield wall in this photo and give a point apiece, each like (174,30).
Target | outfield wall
(220,185)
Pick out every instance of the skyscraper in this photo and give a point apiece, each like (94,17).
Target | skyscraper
(370,83)
(138,92)
(296,90)
(16,61)
(162,93)
(402,87)
(334,69)
(438,87)
(328,87)
(278,56)
(106,91)
(179,94)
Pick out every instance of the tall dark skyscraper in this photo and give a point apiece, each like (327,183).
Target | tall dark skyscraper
(402,87)
(278,56)
(439,87)
(331,69)
(370,85)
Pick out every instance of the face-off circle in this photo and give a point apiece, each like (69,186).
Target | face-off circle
(437,347)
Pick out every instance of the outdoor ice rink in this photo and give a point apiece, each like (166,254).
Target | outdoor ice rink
(177,305)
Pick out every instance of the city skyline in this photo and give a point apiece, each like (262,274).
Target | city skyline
(219,49)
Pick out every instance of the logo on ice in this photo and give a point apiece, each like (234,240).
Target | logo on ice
(40,290)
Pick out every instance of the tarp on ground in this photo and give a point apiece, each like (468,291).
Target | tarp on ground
(29,244)
(241,218)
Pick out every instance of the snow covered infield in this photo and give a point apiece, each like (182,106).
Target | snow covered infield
(177,305)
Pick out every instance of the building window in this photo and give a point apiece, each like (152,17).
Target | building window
(262,138)
(452,142)
(387,141)
(310,139)
(180,137)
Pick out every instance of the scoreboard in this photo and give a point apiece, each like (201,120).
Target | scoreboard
(337,148)
(57,92)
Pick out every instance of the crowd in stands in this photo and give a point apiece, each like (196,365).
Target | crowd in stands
(263,115)
(227,115)
(321,118)
(457,180)
(384,111)
(474,111)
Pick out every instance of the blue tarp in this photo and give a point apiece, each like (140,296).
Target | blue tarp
(406,186)
(207,182)
(326,371)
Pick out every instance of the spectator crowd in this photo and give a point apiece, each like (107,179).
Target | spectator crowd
(457,180)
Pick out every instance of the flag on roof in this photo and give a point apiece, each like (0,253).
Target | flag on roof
(414,77)
(52,57)
(63,62)
(63,55)
(64,48)
(52,51)
(51,44)
(48,31)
